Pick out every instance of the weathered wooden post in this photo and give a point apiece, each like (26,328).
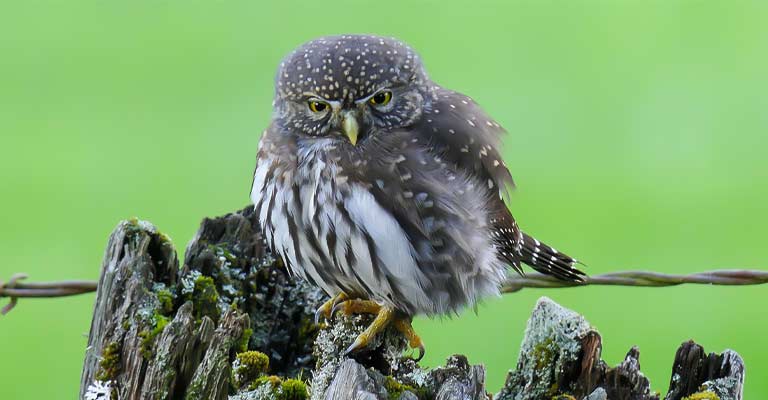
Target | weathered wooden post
(230,323)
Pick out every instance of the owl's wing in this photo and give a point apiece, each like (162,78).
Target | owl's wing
(464,135)
(458,131)
(442,213)
(456,128)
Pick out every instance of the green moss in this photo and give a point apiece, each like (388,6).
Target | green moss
(134,226)
(148,336)
(109,366)
(164,239)
(544,353)
(165,298)
(250,365)
(289,389)
(705,395)
(274,381)
(242,345)
(563,397)
(395,389)
(205,298)
(292,389)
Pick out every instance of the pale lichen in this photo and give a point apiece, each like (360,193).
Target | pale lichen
(333,340)
(188,282)
(263,392)
(552,337)
(100,390)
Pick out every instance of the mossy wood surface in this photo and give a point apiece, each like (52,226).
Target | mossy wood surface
(230,323)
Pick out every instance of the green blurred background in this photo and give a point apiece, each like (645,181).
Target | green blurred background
(638,138)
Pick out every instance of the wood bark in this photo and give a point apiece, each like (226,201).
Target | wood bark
(161,331)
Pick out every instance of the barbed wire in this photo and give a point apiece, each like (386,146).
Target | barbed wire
(15,289)
(729,277)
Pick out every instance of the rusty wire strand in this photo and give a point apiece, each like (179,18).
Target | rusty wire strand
(730,277)
(14,289)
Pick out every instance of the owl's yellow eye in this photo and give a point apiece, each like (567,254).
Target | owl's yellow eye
(317,106)
(381,98)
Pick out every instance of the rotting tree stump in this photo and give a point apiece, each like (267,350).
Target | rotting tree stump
(230,323)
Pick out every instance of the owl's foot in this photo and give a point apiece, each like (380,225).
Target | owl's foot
(356,306)
(403,325)
(326,309)
(384,317)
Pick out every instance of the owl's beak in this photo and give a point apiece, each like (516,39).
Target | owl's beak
(350,126)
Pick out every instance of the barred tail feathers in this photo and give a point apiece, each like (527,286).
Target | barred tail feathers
(547,260)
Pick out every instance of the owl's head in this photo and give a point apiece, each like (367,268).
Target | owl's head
(350,87)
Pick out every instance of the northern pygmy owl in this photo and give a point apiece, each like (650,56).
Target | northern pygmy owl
(385,189)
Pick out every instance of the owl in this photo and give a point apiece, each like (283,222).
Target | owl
(386,189)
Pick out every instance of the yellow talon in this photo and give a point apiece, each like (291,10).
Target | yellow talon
(384,317)
(356,306)
(403,325)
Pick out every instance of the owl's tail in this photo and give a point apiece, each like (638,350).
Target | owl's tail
(547,260)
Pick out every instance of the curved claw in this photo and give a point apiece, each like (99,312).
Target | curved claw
(403,325)
(422,351)
(319,313)
(326,310)
(356,345)
(335,309)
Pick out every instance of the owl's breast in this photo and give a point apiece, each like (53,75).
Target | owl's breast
(330,230)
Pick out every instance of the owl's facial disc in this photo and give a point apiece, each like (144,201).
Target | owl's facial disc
(380,80)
